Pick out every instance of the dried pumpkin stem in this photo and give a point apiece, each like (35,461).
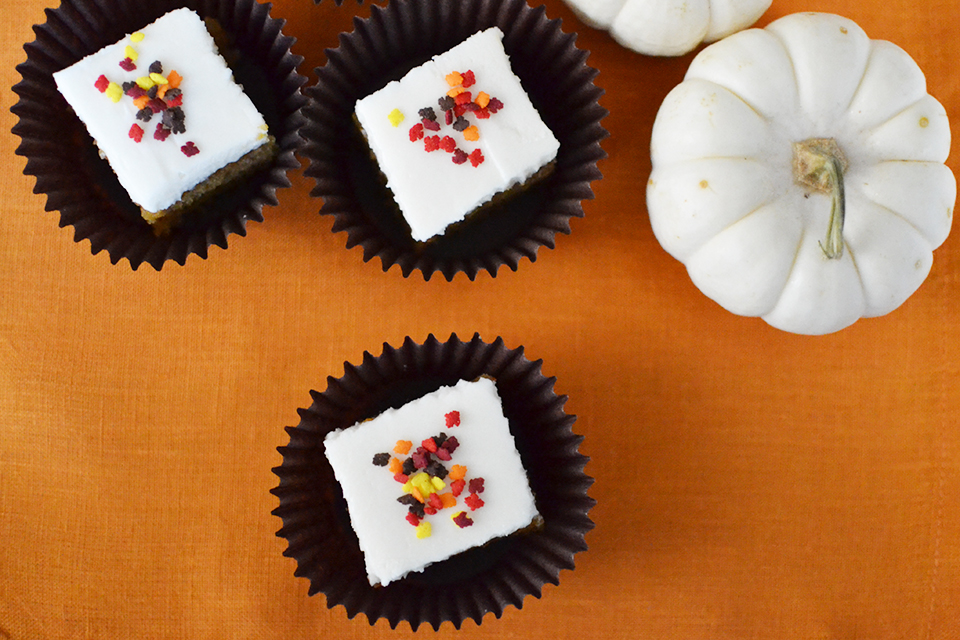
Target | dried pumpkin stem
(819,164)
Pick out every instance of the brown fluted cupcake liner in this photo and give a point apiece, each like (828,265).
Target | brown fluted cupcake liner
(482,580)
(403,35)
(82,187)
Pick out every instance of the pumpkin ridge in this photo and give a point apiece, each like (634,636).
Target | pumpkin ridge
(763,116)
(867,131)
(859,191)
(793,267)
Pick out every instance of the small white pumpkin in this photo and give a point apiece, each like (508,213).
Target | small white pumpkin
(668,27)
(798,174)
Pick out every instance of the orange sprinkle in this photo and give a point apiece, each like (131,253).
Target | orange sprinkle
(448,500)
(141,102)
(482,99)
(471,133)
(403,447)
(395,466)
(173,79)
(416,494)
(162,90)
(457,472)
(453,79)
(453,93)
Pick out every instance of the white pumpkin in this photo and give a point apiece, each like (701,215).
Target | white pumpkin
(798,174)
(668,27)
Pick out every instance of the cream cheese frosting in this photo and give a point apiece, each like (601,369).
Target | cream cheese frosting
(221,123)
(430,189)
(494,497)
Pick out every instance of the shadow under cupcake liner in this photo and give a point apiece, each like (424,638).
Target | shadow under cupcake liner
(403,35)
(82,187)
(482,580)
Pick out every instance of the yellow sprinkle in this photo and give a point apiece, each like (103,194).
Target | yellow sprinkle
(158,79)
(453,79)
(395,117)
(471,133)
(114,91)
(144,82)
(422,482)
(136,37)
(131,53)
(438,484)
(423,530)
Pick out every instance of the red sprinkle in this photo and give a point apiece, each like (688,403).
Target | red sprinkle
(429,510)
(462,520)
(431,143)
(452,419)
(401,478)
(101,84)
(430,445)
(430,125)
(448,116)
(136,133)
(156,105)
(190,149)
(463,98)
(450,444)
(435,501)
(476,157)
(174,101)
(127,64)
(444,454)
(473,501)
(416,132)
(136,91)
(421,458)
(459,156)
(476,485)
(412,519)
(459,110)
(468,79)
(495,105)
(457,487)
(448,144)
(482,114)
(162,133)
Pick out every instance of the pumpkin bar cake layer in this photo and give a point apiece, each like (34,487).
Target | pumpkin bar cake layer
(454,132)
(163,107)
(431,479)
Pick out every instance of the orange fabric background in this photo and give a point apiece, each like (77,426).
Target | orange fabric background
(750,483)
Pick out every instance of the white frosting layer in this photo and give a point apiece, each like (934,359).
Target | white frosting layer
(431,191)
(389,543)
(220,119)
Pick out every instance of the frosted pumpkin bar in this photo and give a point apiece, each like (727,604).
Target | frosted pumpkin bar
(455,132)
(431,479)
(163,108)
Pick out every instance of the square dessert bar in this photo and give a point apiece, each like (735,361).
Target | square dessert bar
(454,132)
(163,107)
(435,477)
